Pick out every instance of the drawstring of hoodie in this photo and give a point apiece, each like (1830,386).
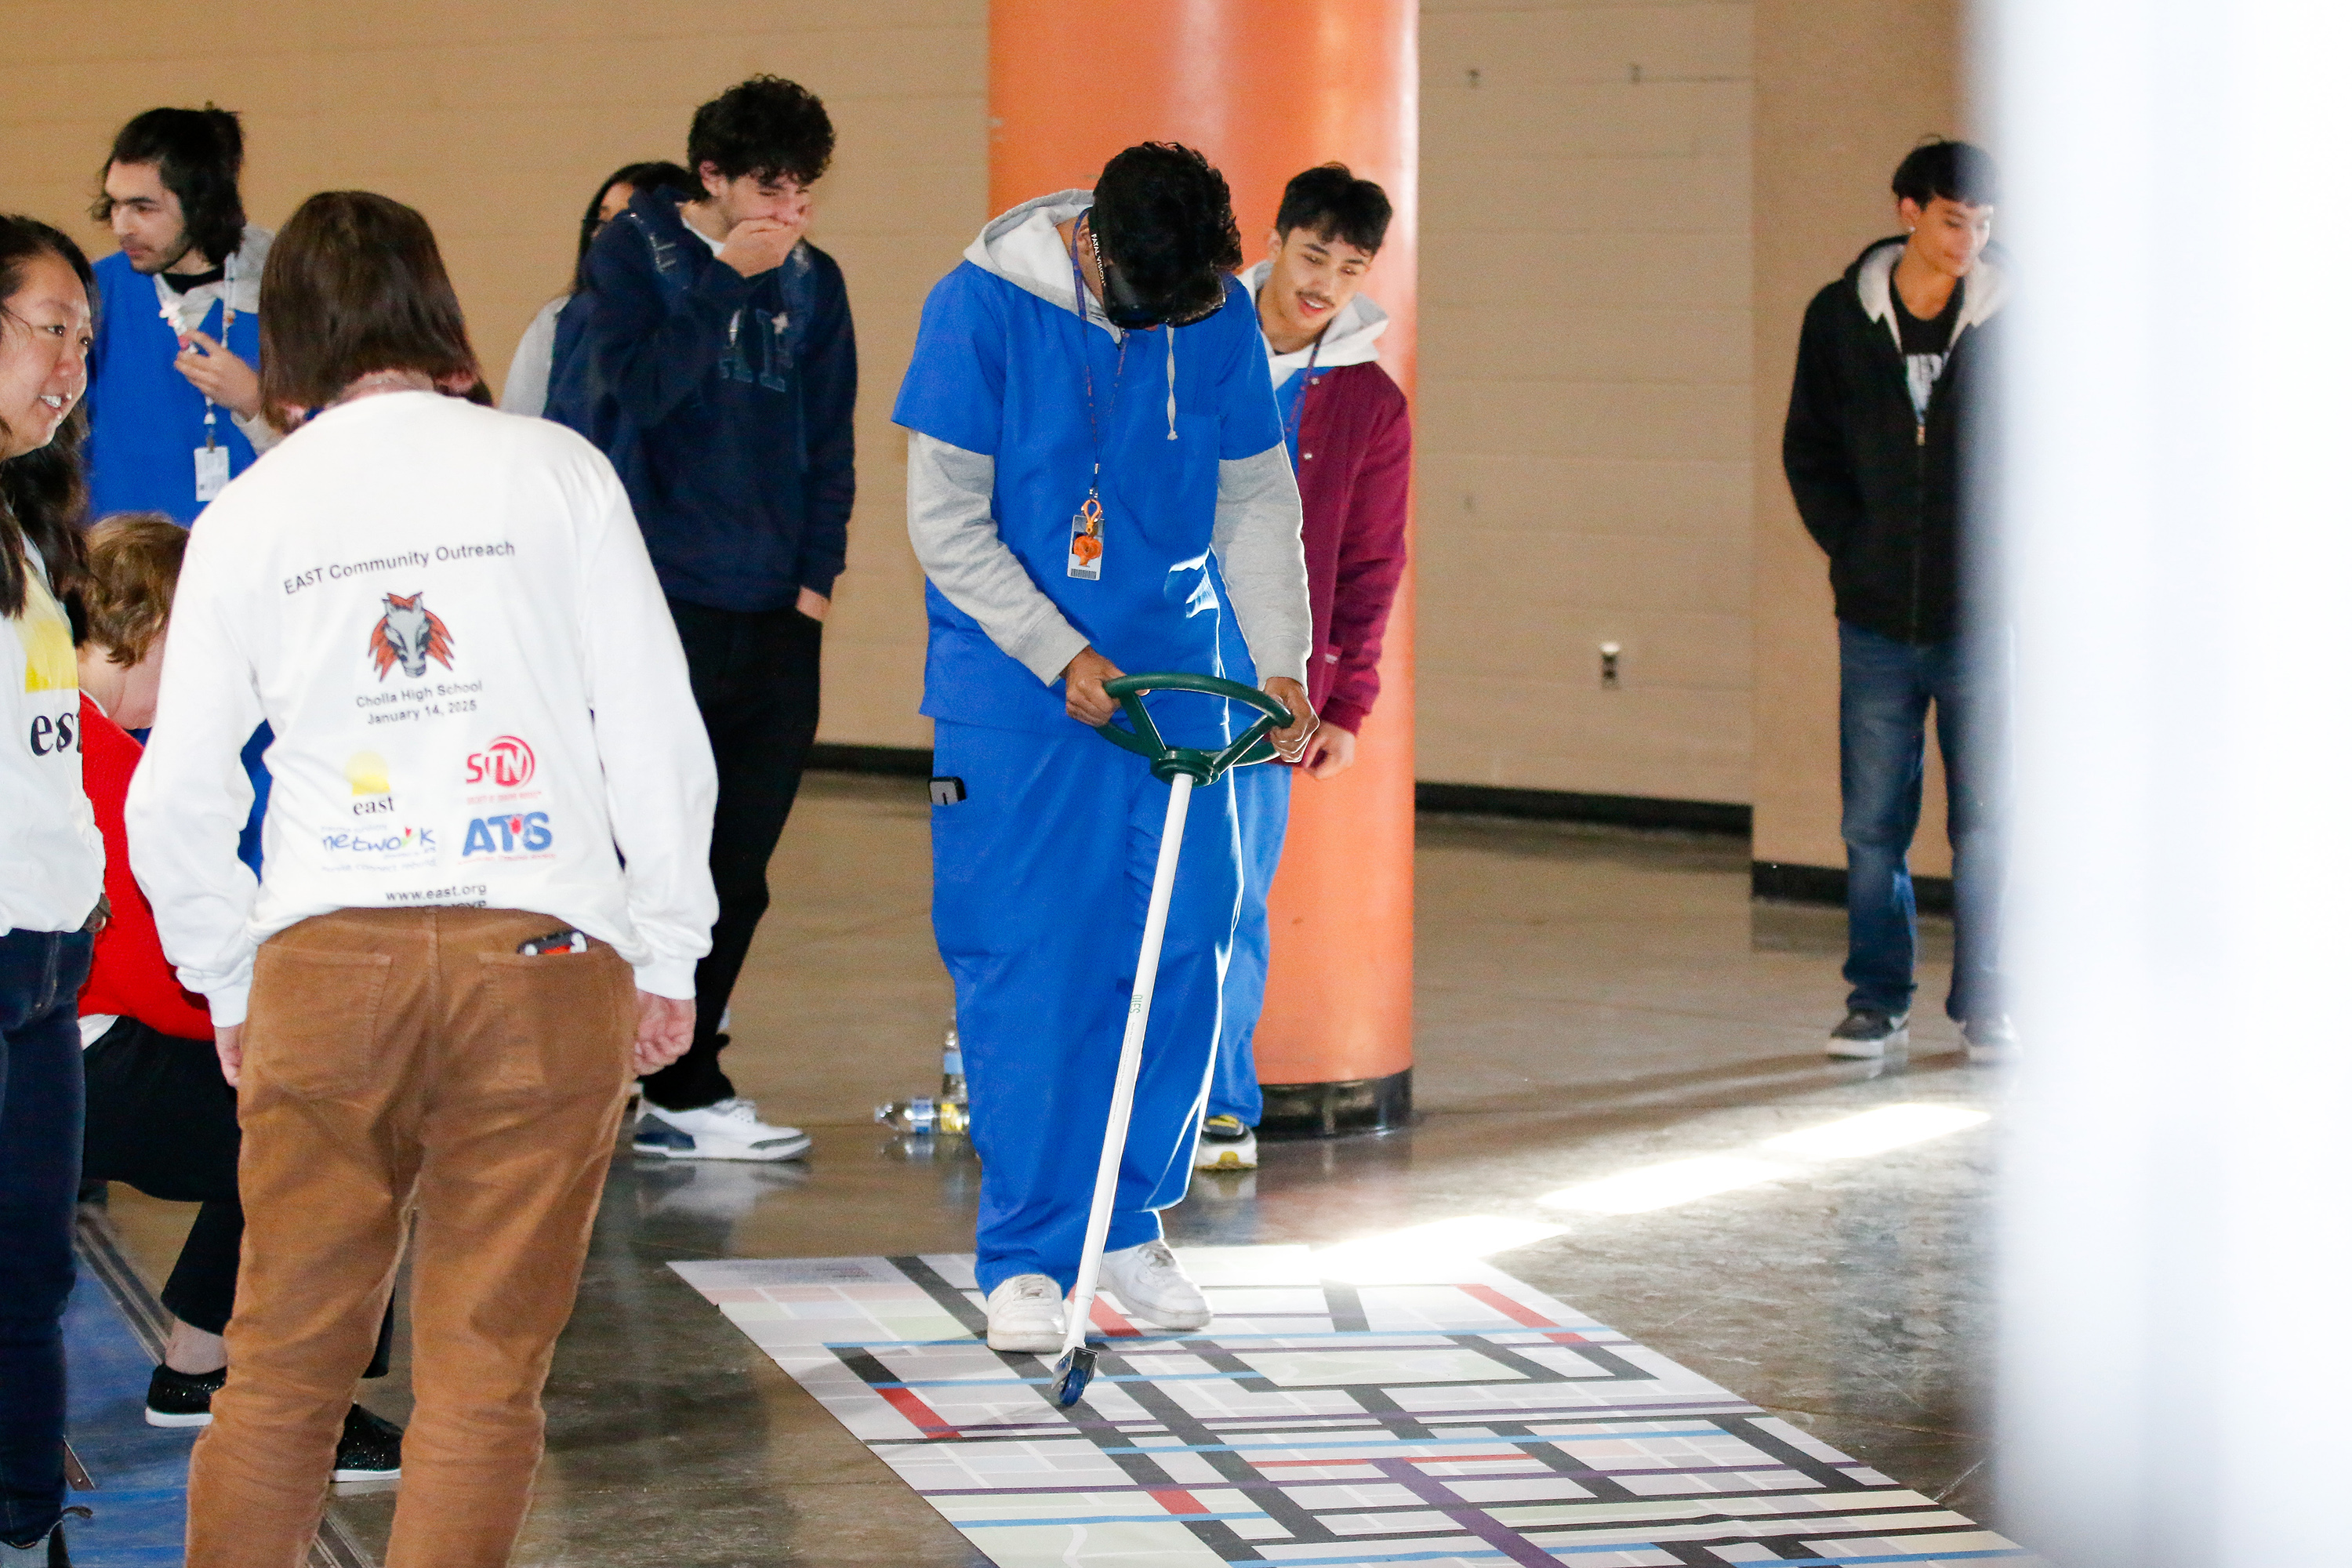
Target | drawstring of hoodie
(1171,330)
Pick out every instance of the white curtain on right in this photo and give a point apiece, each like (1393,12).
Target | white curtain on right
(2177,1198)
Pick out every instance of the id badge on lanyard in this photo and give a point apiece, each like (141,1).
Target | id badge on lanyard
(212,466)
(1087,542)
(212,458)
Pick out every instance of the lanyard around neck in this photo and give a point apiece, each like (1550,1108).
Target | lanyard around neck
(1087,366)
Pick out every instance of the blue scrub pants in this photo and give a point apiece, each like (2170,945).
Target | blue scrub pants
(1262,802)
(1040,878)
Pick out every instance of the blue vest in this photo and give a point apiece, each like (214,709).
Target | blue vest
(145,420)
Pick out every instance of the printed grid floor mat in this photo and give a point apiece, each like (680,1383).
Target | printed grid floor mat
(1445,1415)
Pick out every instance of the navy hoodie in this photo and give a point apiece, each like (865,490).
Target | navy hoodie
(725,402)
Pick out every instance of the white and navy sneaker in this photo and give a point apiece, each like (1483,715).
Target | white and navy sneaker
(1225,1145)
(1868,1033)
(1152,1286)
(1025,1313)
(730,1130)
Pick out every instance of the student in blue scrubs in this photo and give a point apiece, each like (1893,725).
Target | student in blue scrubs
(174,392)
(175,384)
(1090,421)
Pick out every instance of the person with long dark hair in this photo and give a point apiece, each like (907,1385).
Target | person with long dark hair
(534,357)
(52,863)
(433,1001)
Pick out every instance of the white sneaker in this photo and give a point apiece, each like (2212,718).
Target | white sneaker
(1025,1313)
(730,1130)
(1225,1145)
(1152,1286)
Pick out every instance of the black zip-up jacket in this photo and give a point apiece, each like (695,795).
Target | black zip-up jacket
(1882,492)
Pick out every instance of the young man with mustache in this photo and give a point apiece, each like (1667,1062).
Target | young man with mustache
(174,389)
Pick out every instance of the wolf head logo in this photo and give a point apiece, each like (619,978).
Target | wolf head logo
(409,633)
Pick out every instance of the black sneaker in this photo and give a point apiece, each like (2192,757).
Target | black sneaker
(1868,1033)
(1992,1039)
(370,1449)
(182,1398)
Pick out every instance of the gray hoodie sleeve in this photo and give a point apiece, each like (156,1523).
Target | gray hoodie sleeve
(1264,564)
(950,518)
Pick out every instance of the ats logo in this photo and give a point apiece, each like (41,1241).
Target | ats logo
(524,832)
(409,634)
(505,764)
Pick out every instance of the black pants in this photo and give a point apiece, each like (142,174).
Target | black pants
(162,1120)
(755,680)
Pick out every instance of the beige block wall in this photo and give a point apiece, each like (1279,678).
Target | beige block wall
(1625,208)
(1843,88)
(1585,406)
(497,117)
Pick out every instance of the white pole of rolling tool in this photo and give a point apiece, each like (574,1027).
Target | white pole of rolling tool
(1131,1062)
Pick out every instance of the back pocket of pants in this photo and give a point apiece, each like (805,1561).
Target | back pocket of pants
(311,1025)
(563,1022)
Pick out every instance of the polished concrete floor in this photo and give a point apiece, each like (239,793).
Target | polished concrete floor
(1591,1003)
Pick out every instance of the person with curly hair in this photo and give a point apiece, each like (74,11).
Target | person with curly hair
(710,354)
(52,862)
(1089,420)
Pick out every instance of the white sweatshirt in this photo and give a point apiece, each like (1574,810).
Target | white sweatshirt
(447,616)
(52,861)
(534,362)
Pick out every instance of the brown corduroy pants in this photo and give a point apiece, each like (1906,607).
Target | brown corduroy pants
(400,1060)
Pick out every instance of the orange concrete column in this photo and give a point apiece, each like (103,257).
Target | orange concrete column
(1266,88)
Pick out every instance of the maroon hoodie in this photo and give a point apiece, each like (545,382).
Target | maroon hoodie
(1355,472)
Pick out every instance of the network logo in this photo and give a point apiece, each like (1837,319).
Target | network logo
(525,833)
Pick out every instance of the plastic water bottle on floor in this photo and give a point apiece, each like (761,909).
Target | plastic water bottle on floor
(925,1115)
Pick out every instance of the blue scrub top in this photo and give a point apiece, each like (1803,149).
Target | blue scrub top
(146,419)
(998,369)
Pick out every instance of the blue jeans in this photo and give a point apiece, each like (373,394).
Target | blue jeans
(1885,688)
(40,1170)
(1262,803)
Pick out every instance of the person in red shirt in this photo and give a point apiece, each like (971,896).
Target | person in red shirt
(162,1118)
(1350,437)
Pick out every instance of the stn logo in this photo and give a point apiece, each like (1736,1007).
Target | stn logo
(506,763)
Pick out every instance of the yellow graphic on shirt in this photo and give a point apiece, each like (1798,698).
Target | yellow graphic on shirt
(369,774)
(47,638)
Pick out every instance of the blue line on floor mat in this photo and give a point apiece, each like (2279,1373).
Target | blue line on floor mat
(141,1506)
